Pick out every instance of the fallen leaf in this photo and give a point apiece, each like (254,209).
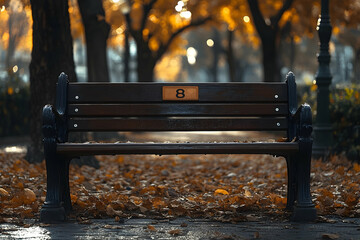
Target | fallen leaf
(356,167)
(29,196)
(4,193)
(175,232)
(184,224)
(111,212)
(247,193)
(221,191)
(329,236)
(151,228)
(252,218)
(108,226)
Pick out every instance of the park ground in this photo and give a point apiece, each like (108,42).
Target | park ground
(182,196)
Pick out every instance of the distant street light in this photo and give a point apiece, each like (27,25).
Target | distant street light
(246,19)
(191,54)
(210,42)
(181,8)
(185,14)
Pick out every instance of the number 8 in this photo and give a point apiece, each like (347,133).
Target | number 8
(180,93)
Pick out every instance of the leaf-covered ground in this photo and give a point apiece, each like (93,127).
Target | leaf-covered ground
(219,187)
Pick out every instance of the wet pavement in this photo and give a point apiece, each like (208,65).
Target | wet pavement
(185,228)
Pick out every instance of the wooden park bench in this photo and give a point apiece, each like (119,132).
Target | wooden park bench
(83,107)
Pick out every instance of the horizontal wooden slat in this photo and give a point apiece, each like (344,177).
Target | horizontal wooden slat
(78,149)
(176,124)
(167,109)
(152,92)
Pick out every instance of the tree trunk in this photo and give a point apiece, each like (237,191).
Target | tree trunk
(270,59)
(216,49)
(145,70)
(356,66)
(230,56)
(145,63)
(241,66)
(52,54)
(126,61)
(96,34)
(11,45)
(268,33)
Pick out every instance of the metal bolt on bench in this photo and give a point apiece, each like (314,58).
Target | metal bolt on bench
(82,107)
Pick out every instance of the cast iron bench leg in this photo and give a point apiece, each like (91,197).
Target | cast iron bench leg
(65,188)
(292,185)
(304,209)
(52,210)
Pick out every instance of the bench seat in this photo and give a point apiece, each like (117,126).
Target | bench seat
(89,149)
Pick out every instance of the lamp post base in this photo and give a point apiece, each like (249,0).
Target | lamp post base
(322,140)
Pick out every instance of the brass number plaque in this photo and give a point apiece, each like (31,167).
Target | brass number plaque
(180,93)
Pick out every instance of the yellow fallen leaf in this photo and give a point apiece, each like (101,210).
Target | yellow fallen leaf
(356,167)
(248,193)
(221,191)
(135,200)
(120,159)
(29,196)
(73,198)
(4,193)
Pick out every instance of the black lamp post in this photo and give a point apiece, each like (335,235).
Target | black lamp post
(323,128)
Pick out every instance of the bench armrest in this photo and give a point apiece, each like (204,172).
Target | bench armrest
(49,122)
(303,120)
(53,123)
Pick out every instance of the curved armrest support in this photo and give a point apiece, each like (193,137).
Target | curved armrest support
(49,130)
(54,124)
(303,119)
(49,122)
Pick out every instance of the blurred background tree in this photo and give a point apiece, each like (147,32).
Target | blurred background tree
(52,53)
(96,34)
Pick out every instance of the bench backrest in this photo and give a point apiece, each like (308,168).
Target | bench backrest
(144,107)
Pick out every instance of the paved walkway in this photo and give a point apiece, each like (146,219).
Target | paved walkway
(185,228)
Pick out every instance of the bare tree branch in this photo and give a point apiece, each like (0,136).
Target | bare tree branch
(164,47)
(275,19)
(257,16)
(147,9)
(135,34)
(128,25)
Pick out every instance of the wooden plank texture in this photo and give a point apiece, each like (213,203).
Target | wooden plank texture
(178,109)
(177,124)
(152,92)
(80,149)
